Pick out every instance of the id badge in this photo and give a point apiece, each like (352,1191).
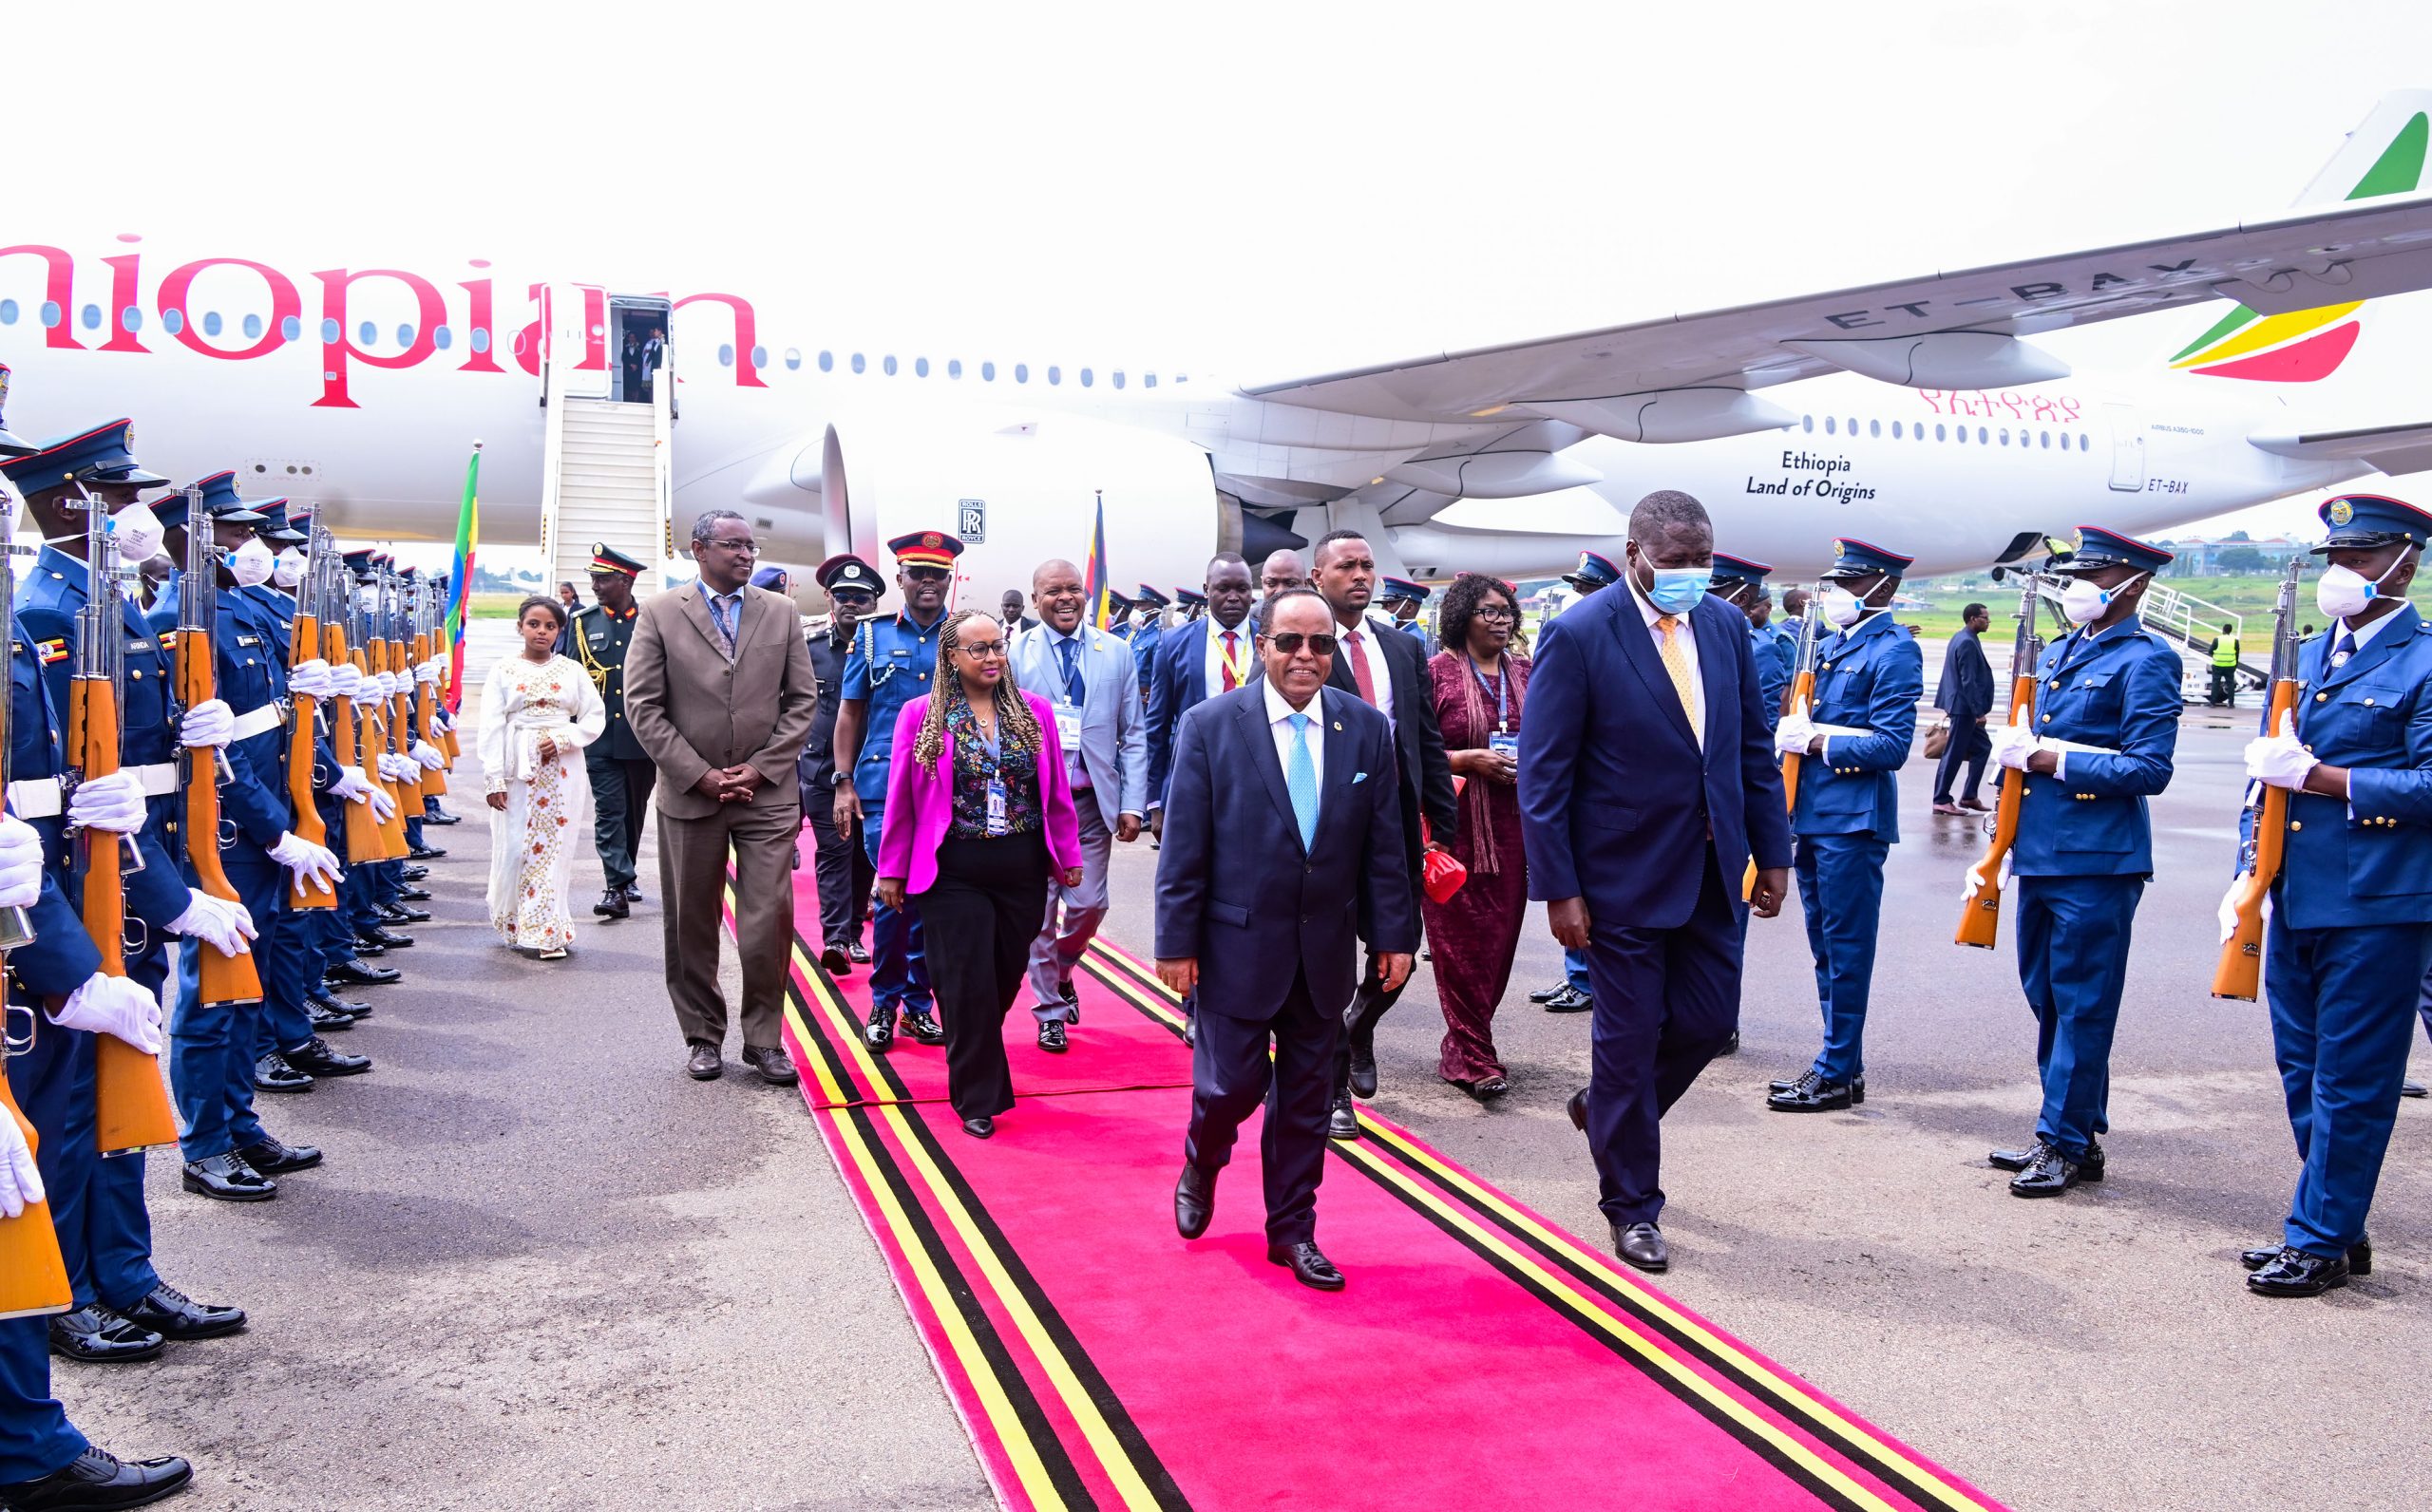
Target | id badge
(997,822)
(1068,727)
(1505,744)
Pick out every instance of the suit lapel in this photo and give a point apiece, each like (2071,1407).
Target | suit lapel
(1334,786)
(1638,649)
(1269,762)
(696,609)
(1715,651)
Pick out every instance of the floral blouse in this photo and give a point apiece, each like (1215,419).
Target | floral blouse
(973,767)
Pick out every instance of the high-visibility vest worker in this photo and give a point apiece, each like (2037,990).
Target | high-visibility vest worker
(2225,650)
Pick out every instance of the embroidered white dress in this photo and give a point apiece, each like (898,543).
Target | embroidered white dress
(548,802)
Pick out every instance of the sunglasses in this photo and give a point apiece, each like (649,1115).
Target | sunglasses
(1289,642)
(853,599)
(927,575)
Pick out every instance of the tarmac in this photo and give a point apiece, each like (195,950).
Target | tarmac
(541,1268)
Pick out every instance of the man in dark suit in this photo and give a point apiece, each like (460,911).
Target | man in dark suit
(1284,767)
(1387,671)
(844,870)
(1197,662)
(1010,614)
(1966,694)
(1646,782)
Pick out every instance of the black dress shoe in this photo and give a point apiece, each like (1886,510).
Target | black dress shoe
(1731,1045)
(228,1179)
(1309,1265)
(1642,1245)
(1342,1120)
(1547,994)
(371,949)
(317,1056)
(923,1025)
(1570,1000)
(2050,1174)
(324,1021)
(424,853)
(612,905)
(980,1128)
(881,1032)
(770,1061)
(1194,1201)
(441,817)
(413,874)
(400,914)
(1050,1036)
(173,1315)
(833,961)
(632,892)
(414,895)
(95,1480)
(2294,1272)
(2411,1087)
(1577,1109)
(1363,1065)
(858,954)
(2089,1169)
(356,973)
(267,1156)
(1072,996)
(705,1064)
(2359,1256)
(273,1072)
(97,1335)
(328,1002)
(1810,1093)
(387,939)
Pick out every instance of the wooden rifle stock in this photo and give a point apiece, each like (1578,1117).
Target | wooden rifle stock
(225,978)
(302,723)
(1979,916)
(33,1278)
(2240,971)
(133,1110)
(363,839)
(374,743)
(425,697)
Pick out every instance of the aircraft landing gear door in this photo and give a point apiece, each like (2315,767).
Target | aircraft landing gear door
(643,355)
(2127,449)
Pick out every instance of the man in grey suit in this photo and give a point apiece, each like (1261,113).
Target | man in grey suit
(1090,679)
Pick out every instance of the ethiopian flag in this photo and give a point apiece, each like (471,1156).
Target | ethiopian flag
(1095,577)
(460,580)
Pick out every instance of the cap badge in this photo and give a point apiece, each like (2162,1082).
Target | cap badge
(932,540)
(2342,512)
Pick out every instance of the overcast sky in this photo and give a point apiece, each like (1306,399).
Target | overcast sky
(1258,189)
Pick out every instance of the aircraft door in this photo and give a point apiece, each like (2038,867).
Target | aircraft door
(2127,449)
(575,355)
(641,351)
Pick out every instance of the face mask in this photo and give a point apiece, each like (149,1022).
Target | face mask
(2340,593)
(289,570)
(1677,590)
(1842,606)
(137,533)
(250,563)
(2083,602)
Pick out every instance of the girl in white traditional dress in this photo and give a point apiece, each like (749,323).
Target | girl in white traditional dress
(537,711)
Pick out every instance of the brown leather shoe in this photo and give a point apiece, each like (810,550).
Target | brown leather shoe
(770,1061)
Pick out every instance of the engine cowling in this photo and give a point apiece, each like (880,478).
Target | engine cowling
(1020,489)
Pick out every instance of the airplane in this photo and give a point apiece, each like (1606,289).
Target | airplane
(1917,412)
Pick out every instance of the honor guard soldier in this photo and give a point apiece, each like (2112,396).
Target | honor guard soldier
(1150,630)
(1403,601)
(1193,602)
(1869,676)
(2350,930)
(1741,583)
(892,662)
(842,865)
(2105,731)
(622,773)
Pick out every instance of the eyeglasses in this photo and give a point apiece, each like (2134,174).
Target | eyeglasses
(981,649)
(927,575)
(1289,642)
(746,545)
(1494,612)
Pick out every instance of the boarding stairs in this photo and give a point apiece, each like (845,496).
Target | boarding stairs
(605,463)
(2192,623)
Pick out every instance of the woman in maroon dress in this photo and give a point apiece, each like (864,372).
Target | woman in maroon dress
(1480,682)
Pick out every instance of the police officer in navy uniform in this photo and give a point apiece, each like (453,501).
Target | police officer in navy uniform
(1741,583)
(841,863)
(2351,932)
(1152,630)
(892,662)
(1192,603)
(1869,676)
(1403,601)
(622,773)
(1573,993)
(2105,732)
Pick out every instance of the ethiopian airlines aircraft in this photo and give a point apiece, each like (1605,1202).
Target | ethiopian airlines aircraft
(1919,412)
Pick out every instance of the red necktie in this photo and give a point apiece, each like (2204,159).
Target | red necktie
(1232,651)
(1360,668)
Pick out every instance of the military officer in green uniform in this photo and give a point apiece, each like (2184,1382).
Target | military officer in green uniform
(622,773)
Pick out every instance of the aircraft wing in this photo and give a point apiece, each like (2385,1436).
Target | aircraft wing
(1686,377)
(2388,449)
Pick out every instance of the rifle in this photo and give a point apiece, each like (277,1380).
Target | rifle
(1980,914)
(1798,698)
(132,1106)
(425,694)
(401,706)
(33,1277)
(303,719)
(2240,969)
(335,600)
(370,651)
(225,978)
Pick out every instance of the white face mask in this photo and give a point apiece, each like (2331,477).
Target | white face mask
(289,570)
(250,564)
(137,533)
(2083,602)
(1842,606)
(2342,591)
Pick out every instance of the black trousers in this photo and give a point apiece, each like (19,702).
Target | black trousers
(2224,686)
(845,876)
(980,917)
(1970,743)
(1368,1005)
(1231,1074)
(619,796)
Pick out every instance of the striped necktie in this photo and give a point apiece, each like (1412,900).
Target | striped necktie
(1684,682)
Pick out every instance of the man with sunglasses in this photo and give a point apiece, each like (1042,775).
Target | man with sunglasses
(622,773)
(845,872)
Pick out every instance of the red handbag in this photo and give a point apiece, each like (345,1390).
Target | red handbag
(1441,871)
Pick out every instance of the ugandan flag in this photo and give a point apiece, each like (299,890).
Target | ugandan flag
(1101,607)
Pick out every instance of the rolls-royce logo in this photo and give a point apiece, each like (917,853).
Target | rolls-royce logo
(971,521)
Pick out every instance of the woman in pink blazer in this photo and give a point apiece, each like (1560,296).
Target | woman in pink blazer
(979,813)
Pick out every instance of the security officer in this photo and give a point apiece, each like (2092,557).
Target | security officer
(1573,994)
(2106,728)
(1192,603)
(622,773)
(1741,583)
(892,663)
(1403,601)
(1118,617)
(1150,630)
(1869,676)
(842,865)
(2350,932)
(371,882)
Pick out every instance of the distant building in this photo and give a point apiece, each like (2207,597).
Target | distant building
(2232,554)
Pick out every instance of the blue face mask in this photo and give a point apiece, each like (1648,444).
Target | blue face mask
(1677,590)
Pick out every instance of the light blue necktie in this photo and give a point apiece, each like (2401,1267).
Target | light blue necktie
(1300,780)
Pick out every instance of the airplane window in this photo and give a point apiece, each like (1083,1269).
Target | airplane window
(1149,382)
(131,318)
(1853,425)
(92,317)
(920,366)
(368,333)
(329,332)
(1875,429)
(7,312)
(173,321)
(725,354)
(1963,434)
(988,372)
(1118,377)
(289,328)
(1807,422)
(954,367)
(1832,427)
(2048,441)
(826,362)
(441,338)
(759,357)
(480,339)
(2086,443)
(859,365)
(889,365)
(793,359)
(1055,374)
(404,335)
(1022,373)
(1895,430)
(1939,433)
(50,313)
(2005,435)
(1087,378)
(1981,437)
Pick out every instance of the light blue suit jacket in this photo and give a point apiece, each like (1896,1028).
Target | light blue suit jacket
(1113,748)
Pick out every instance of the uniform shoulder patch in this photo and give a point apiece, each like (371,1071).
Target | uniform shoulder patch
(51,650)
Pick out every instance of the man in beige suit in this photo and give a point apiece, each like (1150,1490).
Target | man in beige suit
(719,690)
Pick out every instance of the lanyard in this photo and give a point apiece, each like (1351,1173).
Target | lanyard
(1500,688)
(1233,660)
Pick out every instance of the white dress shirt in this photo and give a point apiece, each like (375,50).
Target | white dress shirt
(1279,719)
(1380,673)
(1057,695)
(1685,631)
(1245,655)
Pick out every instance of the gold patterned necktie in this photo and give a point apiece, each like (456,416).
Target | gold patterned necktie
(1676,661)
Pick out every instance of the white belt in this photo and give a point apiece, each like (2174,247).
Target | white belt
(160,778)
(1842,732)
(2050,744)
(260,721)
(35,798)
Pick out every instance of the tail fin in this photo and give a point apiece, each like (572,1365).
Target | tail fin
(2384,156)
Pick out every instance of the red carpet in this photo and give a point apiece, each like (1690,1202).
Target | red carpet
(1479,1357)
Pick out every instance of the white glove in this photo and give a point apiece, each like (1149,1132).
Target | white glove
(2013,745)
(20,863)
(222,925)
(114,803)
(2279,760)
(318,864)
(388,684)
(20,1178)
(1795,734)
(429,755)
(348,679)
(399,769)
(311,679)
(426,671)
(209,722)
(349,785)
(382,804)
(2229,915)
(113,1005)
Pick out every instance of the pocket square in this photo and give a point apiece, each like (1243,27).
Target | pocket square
(1356,778)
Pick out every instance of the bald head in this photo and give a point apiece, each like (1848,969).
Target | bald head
(1282,570)
(1055,587)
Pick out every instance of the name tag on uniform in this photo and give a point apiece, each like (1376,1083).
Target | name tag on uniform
(249,640)
(998,823)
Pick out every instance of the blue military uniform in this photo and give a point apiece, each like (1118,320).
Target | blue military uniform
(2084,851)
(2350,932)
(1869,677)
(1391,594)
(1144,639)
(1735,577)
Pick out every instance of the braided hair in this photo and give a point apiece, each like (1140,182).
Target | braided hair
(1016,726)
